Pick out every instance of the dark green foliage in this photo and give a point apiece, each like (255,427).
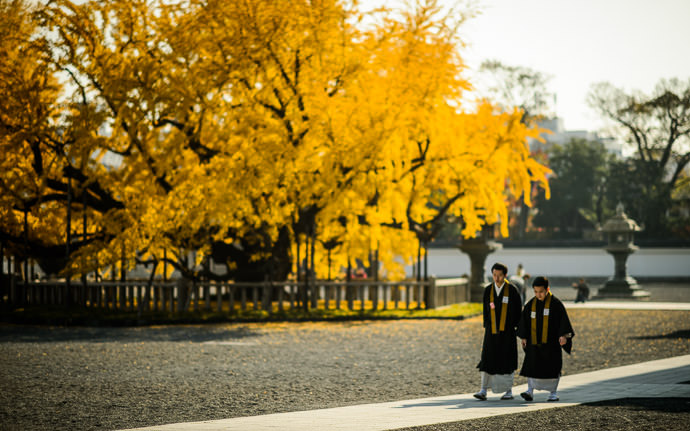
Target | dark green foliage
(577,185)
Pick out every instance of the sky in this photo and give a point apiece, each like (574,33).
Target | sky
(630,43)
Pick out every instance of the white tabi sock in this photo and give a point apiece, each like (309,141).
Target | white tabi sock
(485,382)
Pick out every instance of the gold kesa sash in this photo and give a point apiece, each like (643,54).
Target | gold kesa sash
(504,309)
(545,327)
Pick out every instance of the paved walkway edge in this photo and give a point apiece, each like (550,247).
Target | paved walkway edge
(661,378)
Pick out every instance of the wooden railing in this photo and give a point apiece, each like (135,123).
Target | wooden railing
(183,296)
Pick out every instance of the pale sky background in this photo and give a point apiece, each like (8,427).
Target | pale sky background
(629,43)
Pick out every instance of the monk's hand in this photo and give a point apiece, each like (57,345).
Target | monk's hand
(562,340)
(524,342)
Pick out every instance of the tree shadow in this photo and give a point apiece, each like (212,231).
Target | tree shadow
(683,333)
(220,334)
(674,405)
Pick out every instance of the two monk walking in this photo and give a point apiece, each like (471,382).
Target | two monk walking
(543,327)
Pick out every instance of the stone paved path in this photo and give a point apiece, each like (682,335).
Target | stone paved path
(665,378)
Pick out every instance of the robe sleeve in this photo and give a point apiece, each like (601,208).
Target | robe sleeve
(485,304)
(523,325)
(515,310)
(564,328)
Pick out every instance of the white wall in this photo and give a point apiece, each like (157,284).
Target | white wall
(566,262)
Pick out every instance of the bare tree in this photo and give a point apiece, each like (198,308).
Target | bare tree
(658,127)
(518,86)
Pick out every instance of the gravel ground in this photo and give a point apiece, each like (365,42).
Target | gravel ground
(79,378)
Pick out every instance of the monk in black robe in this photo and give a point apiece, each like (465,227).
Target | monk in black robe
(545,330)
(502,305)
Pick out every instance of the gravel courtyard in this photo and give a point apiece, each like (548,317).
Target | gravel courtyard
(79,378)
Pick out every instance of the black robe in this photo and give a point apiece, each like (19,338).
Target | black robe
(499,351)
(545,361)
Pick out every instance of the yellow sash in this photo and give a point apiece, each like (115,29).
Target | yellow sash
(545,328)
(504,308)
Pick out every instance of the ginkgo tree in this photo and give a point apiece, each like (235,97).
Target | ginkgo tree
(261,133)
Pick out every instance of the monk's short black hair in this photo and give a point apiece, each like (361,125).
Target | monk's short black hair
(541,281)
(501,267)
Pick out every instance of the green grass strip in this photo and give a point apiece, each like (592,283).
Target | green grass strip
(93,317)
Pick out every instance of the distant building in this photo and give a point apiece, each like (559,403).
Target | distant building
(561,136)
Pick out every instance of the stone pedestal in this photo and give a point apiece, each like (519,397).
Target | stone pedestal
(620,230)
(621,285)
(478,249)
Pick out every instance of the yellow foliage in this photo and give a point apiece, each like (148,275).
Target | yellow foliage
(245,120)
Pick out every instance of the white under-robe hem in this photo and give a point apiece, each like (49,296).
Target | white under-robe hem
(550,385)
(499,383)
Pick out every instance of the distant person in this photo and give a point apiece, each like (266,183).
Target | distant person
(502,305)
(544,330)
(521,283)
(520,271)
(582,291)
(360,274)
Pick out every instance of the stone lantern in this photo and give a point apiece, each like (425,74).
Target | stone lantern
(478,248)
(620,232)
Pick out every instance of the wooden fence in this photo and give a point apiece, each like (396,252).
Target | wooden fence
(184,296)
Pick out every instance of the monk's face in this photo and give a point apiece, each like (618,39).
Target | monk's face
(498,276)
(540,292)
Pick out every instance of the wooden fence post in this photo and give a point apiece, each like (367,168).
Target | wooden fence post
(430,294)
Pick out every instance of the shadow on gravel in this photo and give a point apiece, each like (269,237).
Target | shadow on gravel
(671,405)
(684,333)
(194,334)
